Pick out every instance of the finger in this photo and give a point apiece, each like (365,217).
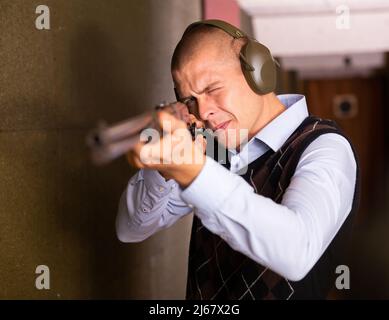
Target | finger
(138,163)
(182,112)
(134,160)
(130,158)
(197,122)
(201,143)
(169,123)
(134,155)
(137,148)
(148,154)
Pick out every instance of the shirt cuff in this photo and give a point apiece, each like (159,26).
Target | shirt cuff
(210,189)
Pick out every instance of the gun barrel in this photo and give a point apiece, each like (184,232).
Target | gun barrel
(110,142)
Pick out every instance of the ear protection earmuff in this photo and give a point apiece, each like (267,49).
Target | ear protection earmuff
(258,65)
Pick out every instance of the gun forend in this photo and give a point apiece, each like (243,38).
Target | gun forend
(110,142)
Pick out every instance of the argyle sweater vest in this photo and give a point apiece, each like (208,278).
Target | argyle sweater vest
(216,271)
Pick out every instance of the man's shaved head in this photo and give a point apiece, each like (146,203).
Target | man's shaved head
(208,78)
(206,38)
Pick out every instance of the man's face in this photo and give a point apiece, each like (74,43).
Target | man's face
(220,95)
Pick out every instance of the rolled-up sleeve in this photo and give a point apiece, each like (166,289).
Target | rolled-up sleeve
(148,204)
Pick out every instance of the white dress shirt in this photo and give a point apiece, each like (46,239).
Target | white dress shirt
(288,238)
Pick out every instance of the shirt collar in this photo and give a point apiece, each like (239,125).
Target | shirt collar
(276,132)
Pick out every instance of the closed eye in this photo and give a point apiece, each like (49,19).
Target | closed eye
(213,90)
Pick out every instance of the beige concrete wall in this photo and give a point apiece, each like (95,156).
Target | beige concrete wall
(102,59)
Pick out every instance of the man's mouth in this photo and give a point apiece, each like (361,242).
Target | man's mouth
(222,125)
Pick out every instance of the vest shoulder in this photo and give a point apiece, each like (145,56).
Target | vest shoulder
(311,128)
(313,122)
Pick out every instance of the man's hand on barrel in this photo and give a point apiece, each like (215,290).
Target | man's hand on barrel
(173,153)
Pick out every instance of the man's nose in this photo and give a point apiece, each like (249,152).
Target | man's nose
(206,108)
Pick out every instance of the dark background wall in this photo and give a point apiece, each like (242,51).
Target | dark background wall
(100,60)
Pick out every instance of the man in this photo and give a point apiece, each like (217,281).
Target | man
(270,223)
